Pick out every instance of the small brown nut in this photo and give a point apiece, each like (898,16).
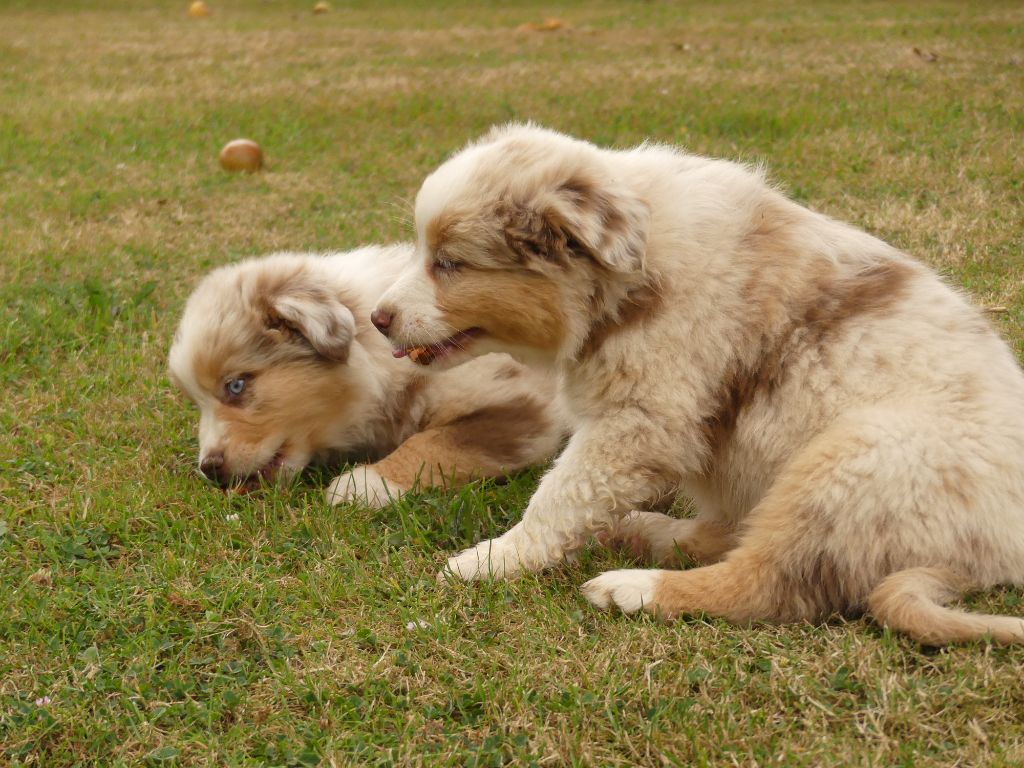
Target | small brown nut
(241,155)
(421,355)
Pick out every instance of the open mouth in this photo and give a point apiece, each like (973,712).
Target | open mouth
(425,354)
(261,476)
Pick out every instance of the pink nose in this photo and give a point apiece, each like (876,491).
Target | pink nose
(382,320)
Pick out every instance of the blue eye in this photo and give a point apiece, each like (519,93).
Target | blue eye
(235,387)
(446,265)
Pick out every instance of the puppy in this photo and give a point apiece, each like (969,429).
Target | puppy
(280,358)
(850,429)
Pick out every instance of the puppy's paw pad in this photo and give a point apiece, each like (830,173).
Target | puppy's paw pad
(363,485)
(630,589)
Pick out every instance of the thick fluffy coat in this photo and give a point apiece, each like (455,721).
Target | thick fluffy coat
(279,356)
(850,428)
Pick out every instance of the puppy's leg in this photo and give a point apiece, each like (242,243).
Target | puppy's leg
(767,577)
(433,458)
(489,442)
(868,498)
(914,601)
(794,560)
(666,541)
(601,474)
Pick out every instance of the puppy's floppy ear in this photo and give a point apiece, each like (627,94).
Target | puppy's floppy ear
(314,313)
(582,217)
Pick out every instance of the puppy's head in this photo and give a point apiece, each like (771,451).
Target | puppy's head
(521,239)
(262,350)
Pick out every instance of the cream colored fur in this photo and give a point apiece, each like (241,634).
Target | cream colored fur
(321,383)
(850,428)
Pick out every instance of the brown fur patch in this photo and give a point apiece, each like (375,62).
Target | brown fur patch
(753,586)
(531,235)
(437,230)
(873,291)
(639,304)
(500,431)
(299,316)
(740,387)
(589,199)
(468,236)
(208,368)
(704,541)
(721,589)
(550,233)
(811,320)
(514,306)
(252,341)
(426,459)
(489,442)
(289,401)
(817,590)
(709,541)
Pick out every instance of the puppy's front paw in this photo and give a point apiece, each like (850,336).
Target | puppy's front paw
(363,485)
(492,559)
(631,589)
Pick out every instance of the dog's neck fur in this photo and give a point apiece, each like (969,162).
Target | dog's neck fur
(602,306)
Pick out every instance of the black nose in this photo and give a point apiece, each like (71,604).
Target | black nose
(212,466)
(382,320)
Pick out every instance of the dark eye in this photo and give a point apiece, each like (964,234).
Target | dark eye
(446,265)
(235,387)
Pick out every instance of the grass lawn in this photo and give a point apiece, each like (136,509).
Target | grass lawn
(146,619)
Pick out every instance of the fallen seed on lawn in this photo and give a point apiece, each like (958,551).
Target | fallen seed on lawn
(241,155)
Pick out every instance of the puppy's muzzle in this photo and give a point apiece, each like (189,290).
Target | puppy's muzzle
(212,465)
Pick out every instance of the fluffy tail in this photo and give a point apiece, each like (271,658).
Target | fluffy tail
(912,601)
